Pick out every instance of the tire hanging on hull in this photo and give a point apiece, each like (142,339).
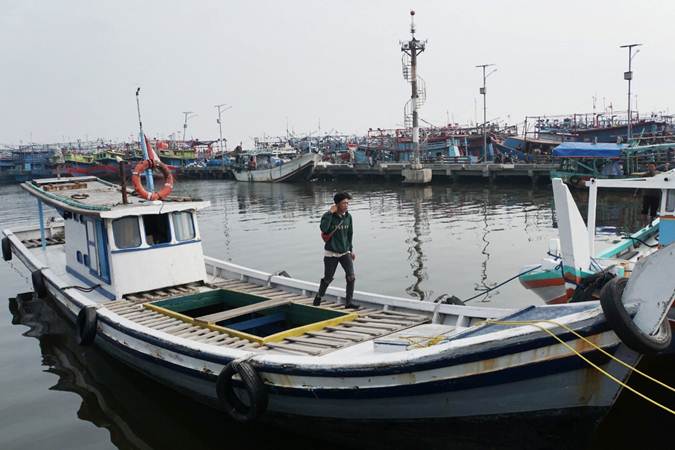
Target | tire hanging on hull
(252,385)
(6,249)
(86,325)
(622,322)
(39,286)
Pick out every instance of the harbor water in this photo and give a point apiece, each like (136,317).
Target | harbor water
(416,242)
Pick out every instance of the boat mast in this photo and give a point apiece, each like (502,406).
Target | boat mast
(144,148)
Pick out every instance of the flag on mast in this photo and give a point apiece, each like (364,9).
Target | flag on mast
(152,155)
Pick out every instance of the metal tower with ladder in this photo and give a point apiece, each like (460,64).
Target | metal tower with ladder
(416,173)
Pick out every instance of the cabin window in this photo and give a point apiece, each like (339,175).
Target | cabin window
(157,230)
(183,226)
(126,232)
(670,201)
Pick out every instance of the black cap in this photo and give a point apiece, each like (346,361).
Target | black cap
(341,196)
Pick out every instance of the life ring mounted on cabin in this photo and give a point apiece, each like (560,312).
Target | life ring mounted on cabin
(138,186)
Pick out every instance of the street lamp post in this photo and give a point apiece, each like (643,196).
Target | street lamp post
(220,129)
(628,76)
(188,115)
(483,92)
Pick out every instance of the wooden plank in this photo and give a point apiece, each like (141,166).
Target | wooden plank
(399,313)
(353,330)
(167,325)
(218,338)
(293,348)
(191,330)
(207,335)
(281,294)
(333,336)
(237,285)
(383,326)
(120,309)
(224,315)
(262,289)
(401,323)
(156,321)
(151,319)
(316,341)
(227,283)
(228,341)
(138,315)
(178,328)
(122,304)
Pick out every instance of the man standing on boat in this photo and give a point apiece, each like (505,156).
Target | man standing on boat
(336,231)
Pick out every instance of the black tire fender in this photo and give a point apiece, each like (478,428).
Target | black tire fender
(86,325)
(622,322)
(252,384)
(6,249)
(39,286)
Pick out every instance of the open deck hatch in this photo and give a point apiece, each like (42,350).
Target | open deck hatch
(252,317)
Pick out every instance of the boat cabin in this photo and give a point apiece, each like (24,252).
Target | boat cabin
(123,247)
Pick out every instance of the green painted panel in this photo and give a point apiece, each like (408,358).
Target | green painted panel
(228,300)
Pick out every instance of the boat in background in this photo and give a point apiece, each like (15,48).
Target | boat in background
(581,161)
(299,168)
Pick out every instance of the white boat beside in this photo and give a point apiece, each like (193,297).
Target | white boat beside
(133,278)
(574,269)
(297,169)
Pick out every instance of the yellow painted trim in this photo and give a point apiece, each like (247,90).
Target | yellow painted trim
(298,331)
(168,312)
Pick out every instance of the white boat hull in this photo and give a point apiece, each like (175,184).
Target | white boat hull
(300,168)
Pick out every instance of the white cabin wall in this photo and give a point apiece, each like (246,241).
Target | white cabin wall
(76,240)
(148,268)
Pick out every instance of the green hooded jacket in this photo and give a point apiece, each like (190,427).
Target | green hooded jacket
(341,241)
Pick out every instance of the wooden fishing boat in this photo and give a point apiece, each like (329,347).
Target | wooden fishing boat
(298,169)
(133,278)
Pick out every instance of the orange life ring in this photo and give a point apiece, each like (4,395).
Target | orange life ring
(138,186)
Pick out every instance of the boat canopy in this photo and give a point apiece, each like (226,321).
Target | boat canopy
(588,150)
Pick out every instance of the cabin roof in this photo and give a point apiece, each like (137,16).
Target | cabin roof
(93,196)
(588,150)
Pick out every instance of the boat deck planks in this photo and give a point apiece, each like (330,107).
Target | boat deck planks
(370,324)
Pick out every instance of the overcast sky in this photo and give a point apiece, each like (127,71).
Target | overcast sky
(70,67)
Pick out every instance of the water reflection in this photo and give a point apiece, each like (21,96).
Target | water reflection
(416,196)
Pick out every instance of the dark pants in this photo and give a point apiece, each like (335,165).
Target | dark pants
(650,205)
(330,265)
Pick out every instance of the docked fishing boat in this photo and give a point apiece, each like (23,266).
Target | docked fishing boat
(131,274)
(572,270)
(297,169)
(578,162)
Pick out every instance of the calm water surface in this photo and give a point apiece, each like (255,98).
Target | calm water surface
(413,242)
